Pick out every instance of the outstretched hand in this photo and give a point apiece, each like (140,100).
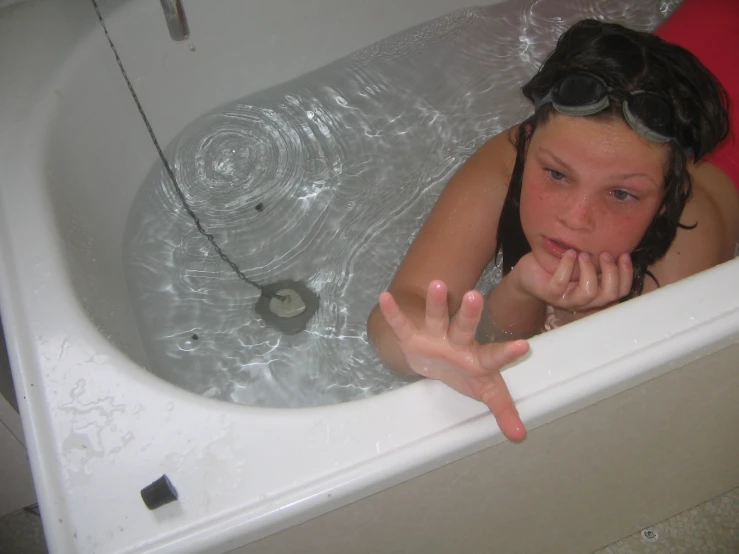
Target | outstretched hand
(446,350)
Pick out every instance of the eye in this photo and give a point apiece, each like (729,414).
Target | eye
(622,195)
(556,175)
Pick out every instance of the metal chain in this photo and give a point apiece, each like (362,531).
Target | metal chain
(168,168)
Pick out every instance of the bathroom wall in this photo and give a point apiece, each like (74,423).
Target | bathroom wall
(574,485)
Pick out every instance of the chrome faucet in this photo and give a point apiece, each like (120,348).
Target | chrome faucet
(174,13)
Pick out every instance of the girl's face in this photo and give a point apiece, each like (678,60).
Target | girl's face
(592,185)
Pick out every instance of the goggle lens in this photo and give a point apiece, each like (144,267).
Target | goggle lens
(653,112)
(579,90)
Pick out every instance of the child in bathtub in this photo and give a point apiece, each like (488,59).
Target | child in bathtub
(612,188)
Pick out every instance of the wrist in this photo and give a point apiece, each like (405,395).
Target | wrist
(517,286)
(513,310)
(383,340)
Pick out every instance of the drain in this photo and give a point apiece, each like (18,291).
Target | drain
(287,306)
(650,535)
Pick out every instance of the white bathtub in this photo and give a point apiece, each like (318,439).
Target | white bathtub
(99,427)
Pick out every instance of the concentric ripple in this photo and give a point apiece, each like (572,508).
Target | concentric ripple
(326,179)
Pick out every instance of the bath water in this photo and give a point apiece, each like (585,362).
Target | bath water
(326,179)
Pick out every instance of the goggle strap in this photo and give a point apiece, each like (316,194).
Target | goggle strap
(539,102)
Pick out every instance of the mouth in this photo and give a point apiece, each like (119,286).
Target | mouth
(556,247)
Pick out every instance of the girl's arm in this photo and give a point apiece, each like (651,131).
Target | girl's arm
(512,312)
(455,244)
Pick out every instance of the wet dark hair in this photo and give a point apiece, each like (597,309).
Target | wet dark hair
(627,61)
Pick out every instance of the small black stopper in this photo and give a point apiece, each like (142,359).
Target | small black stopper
(159,493)
(259,207)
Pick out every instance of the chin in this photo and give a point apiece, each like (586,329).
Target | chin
(547,262)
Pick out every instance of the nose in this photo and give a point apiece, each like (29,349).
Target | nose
(578,213)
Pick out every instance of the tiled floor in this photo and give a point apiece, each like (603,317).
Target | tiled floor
(21,533)
(711,528)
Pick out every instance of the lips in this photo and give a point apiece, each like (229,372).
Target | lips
(556,247)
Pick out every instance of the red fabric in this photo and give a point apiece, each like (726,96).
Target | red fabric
(710,30)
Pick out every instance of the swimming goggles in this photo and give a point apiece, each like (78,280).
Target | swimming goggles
(581,93)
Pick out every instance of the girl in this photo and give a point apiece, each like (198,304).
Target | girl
(603,194)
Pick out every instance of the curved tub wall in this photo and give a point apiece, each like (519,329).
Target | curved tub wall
(94,154)
(99,428)
(98,151)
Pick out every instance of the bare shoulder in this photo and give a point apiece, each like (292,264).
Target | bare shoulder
(714,210)
(458,238)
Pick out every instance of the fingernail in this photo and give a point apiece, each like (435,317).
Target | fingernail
(585,257)
(607,257)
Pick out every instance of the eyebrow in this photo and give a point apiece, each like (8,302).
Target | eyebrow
(556,158)
(622,176)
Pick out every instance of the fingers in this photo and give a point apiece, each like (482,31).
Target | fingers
(626,275)
(495,393)
(463,328)
(496,397)
(399,323)
(510,422)
(615,281)
(588,284)
(437,310)
(593,291)
(609,276)
(563,273)
(496,355)
(584,290)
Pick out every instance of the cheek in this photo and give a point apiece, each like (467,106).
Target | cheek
(623,233)
(537,202)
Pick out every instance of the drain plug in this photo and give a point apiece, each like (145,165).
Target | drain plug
(287,306)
